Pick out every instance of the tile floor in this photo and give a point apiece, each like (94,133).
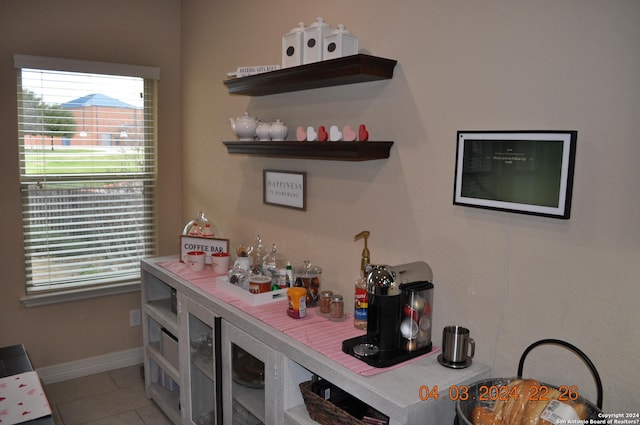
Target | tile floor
(109,398)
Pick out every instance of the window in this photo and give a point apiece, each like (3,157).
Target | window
(87,143)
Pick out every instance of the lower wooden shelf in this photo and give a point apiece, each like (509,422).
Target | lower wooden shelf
(336,151)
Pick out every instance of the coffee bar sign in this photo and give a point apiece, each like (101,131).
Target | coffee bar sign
(197,243)
(285,189)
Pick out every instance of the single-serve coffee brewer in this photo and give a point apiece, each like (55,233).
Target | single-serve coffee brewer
(400,305)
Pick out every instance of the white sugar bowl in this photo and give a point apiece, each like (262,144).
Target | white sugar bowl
(263,131)
(278,131)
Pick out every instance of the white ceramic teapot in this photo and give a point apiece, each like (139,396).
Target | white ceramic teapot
(244,127)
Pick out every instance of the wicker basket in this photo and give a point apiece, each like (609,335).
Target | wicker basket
(327,413)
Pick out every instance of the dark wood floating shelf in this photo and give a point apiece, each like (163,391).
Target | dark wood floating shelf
(333,72)
(337,151)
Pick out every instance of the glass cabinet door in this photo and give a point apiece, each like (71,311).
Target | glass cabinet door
(249,379)
(200,368)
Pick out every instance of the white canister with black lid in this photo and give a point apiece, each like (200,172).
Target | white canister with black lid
(340,43)
(293,46)
(314,36)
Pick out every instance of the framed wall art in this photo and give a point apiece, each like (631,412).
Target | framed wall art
(285,189)
(527,172)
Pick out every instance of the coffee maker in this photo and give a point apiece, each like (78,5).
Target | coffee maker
(400,305)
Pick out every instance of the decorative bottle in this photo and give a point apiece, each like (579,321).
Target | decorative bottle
(256,254)
(361,299)
(289,270)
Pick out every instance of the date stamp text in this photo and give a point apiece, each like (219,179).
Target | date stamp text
(488,393)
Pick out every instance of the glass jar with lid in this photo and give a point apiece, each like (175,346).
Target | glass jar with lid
(200,226)
(272,263)
(336,308)
(307,275)
(325,301)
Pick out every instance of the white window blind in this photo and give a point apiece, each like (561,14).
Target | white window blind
(87,143)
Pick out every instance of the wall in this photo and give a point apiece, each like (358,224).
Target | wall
(145,32)
(495,64)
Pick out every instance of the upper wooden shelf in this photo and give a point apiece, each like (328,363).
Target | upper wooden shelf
(333,72)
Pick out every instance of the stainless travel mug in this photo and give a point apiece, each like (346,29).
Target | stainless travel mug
(457,345)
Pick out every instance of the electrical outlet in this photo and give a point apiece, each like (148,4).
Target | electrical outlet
(134,318)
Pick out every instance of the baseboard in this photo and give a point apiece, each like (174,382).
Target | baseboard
(90,366)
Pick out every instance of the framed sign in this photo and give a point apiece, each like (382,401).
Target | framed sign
(197,243)
(527,172)
(285,189)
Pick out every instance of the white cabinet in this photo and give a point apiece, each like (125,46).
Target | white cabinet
(254,376)
(199,363)
(160,327)
(251,387)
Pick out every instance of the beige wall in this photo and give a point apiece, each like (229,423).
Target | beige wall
(142,32)
(462,65)
(494,64)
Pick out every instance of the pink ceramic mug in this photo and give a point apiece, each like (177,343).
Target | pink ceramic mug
(195,260)
(220,262)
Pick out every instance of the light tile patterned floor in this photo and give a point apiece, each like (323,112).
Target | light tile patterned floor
(109,398)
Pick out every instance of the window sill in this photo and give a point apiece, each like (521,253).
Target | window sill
(36,300)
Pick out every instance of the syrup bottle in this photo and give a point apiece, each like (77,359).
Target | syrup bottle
(361,302)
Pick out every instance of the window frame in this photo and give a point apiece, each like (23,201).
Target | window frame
(150,75)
